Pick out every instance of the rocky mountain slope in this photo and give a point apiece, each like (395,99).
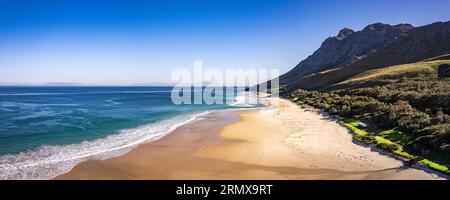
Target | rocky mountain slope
(348,47)
(377,45)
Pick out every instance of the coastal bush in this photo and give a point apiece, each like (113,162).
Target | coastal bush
(396,136)
(386,144)
(366,139)
(387,108)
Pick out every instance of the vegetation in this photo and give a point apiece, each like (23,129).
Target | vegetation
(434,165)
(380,141)
(407,108)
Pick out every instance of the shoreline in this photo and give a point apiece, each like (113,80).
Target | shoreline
(55,164)
(286,142)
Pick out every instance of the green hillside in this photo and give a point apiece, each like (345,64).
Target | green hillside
(425,69)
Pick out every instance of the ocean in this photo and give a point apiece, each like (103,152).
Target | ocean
(45,131)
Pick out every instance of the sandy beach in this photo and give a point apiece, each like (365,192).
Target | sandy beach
(282,142)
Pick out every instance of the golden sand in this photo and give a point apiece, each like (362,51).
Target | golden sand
(283,142)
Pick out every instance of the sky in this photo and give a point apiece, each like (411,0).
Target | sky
(134,42)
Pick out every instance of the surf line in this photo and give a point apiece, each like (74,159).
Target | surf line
(195,190)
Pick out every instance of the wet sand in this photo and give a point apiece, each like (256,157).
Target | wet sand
(283,142)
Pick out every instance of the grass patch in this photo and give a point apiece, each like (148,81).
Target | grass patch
(393,147)
(366,139)
(357,131)
(389,140)
(419,67)
(439,157)
(386,144)
(353,125)
(402,153)
(435,166)
(395,136)
(359,134)
(380,141)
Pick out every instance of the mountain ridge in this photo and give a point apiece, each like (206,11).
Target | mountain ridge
(348,47)
(377,45)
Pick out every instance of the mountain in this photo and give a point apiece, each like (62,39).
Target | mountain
(422,43)
(348,47)
(377,45)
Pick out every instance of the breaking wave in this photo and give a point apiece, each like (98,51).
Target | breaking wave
(48,161)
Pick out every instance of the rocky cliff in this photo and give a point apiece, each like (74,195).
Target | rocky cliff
(346,48)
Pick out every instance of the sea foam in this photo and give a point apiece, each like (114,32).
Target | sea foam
(246,99)
(47,162)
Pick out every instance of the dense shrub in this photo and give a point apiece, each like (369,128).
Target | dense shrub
(427,96)
(419,109)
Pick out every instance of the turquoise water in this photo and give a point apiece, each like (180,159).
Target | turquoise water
(46,130)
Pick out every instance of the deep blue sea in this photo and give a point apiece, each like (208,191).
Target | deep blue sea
(44,131)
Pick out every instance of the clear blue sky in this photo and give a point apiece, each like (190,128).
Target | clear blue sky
(125,42)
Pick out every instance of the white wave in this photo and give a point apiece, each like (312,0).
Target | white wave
(6,109)
(113,101)
(245,99)
(17,104)
(33,105)
(47,161)
(28,94)
(43,113)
